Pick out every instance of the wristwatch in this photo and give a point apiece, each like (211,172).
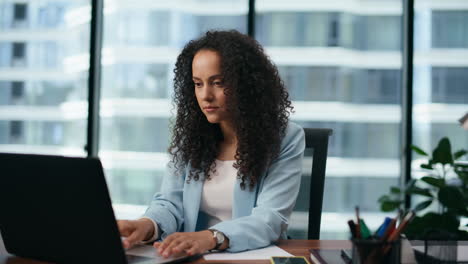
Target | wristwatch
(218,237)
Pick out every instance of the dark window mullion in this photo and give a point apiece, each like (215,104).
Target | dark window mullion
(251,19)
(407,94)
(94,79)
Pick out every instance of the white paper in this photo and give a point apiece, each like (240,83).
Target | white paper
(462,252)
(263,253)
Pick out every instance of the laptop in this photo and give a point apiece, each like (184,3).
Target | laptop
(58,209)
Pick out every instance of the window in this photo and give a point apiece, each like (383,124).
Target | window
(141,44)
(449,28)
(359,102)
(19,50)
(16,131)
(19,12)
(449,85)
(440,90)
(44,103)
(17,89)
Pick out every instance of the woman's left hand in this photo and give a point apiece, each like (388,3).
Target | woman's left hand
(190,243)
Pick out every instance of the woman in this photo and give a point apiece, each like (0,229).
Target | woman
(236,159)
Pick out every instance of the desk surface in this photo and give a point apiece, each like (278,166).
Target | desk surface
(295,247)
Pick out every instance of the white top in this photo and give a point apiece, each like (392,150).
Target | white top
(217,195)
(218,192)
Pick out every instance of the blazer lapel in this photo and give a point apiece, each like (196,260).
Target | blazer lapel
(192,197)
(244,200)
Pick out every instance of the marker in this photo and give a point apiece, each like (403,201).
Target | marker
(381,231)
(365,232)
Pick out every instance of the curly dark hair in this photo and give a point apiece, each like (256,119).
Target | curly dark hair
(257,98)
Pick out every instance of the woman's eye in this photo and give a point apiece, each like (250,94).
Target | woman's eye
(197,84)
(218,83)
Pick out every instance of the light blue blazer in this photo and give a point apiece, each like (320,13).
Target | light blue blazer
(259,217)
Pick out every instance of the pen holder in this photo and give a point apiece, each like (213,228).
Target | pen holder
(373,251)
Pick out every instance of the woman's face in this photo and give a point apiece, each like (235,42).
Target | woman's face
(209,86)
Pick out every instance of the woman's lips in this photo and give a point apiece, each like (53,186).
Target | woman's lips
(210,109)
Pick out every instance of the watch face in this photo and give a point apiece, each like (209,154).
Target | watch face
(219,237)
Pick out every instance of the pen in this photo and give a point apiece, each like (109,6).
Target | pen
(408,217)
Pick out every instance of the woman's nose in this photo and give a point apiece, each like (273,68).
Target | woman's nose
(207,93)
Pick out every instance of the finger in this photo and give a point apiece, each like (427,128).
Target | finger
(125,228)
(168,240)
(168,249)
(194,249)
(132,239)
(181,247)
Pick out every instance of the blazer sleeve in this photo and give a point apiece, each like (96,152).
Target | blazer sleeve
(275,201)
(166,208)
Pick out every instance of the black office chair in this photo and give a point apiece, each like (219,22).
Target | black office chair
(317,140)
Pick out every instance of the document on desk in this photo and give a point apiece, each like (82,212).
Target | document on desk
(462,251)
(263,253)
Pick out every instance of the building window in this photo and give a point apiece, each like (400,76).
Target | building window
(19,12)
(19,49)
(449,29)
(449,85)
(16,131)
(19,54)
(333,33)
(17,90)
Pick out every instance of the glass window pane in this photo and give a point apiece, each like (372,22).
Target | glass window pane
(440,75)
(141,43)
(43,92)
(342,65)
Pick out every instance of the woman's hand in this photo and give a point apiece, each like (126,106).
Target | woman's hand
(190,243)
(135,231)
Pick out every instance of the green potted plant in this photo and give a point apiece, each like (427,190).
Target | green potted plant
(445,187)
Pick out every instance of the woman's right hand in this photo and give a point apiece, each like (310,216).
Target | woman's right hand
(135,231)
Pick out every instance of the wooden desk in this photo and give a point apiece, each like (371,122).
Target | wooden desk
(295,247)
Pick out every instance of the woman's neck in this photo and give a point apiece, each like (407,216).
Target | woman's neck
(227,147)
(229,134)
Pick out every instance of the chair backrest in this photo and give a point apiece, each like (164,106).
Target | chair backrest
(316,139)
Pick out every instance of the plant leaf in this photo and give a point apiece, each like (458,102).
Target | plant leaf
(452,198)
(427,166)
(389,206)
(461,165)
(434,181)
(459,154)
(383,198)
(443,152)
(395,190)
(419,151)
(418,228)
(419,191)
(422,205)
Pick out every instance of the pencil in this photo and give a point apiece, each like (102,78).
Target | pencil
(358,223)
